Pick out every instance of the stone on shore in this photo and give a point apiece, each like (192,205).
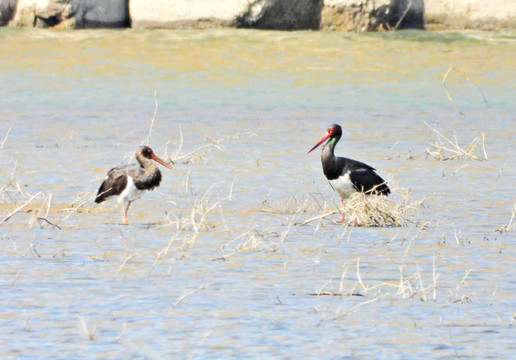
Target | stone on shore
(344,15)
(283,15)
(7,9)
(76,13)
(185,13)
(91,14)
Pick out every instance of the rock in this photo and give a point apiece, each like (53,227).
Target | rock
(72,13)
(260,14)
(185,13)
(282,15)
(25,12)
(348,15)
(100,13)
(398,15)
(52,14)
(345,15)
(479,14)
(7,9)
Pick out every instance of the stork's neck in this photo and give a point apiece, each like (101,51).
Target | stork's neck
(144,162)
(329,149)
(148,177)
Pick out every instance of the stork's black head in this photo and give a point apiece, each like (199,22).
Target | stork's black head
(333,132)
(145,151)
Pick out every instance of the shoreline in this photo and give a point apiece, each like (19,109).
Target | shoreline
(325,15)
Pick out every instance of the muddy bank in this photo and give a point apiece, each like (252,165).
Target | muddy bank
(341,15)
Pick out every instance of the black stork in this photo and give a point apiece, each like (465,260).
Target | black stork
(129,182)
(347,176)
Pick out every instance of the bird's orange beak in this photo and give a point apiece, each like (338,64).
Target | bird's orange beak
(326,136)
(158,160)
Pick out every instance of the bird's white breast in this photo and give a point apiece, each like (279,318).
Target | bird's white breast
(343,186)
(130,192)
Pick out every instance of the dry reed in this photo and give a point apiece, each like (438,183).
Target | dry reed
(373,211)
(510,225)
(203,150)
(444,149)
(464,78)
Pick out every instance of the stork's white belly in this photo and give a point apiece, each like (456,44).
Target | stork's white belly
(343,186)
(130,192)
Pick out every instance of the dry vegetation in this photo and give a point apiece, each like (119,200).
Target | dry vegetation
(443,148)
(412,284)
(510,225)
(361,210)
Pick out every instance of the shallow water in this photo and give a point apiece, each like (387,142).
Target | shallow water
(244,283)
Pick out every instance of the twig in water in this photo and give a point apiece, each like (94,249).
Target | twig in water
(38,213)
(89,333)
(16,277)
(435,277)
(153,117)
(176,153)
(40,219)
(358,275)
(75,208)
(318,217)
(465,78)
(448,95)
(5,138)
(188,293)
(203,149)
(19,208)
(511,224)
(354,308)
(123,264)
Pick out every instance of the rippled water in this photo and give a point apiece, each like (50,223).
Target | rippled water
(246,280)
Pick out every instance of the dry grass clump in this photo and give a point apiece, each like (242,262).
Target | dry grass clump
(413,283)
(12,191)
(381,211)
(376,211)
(15,200)
(444,148)
(197,220)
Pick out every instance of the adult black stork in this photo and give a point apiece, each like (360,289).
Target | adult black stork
(347,176)
(129,182)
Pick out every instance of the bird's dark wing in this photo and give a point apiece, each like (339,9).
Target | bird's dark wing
(366,180)
(114,184)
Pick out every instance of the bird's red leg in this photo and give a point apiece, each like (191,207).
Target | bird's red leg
(126,209)
(342,210)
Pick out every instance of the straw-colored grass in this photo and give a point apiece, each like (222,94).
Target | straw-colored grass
(201,151)
(443,148)
(511,224)
(382,211)
(363,210)
(412,284)
(296,204)
(464,78)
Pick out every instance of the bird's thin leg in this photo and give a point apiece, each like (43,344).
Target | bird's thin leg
(341,210)
(126,209)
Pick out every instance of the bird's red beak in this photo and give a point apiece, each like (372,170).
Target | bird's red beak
(326,136)
(158,160)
